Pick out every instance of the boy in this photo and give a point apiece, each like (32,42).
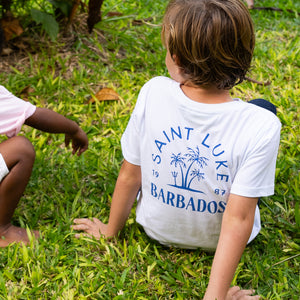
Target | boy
(191,150)
(17,155)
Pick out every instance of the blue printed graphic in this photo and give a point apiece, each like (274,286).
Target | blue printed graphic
(188,174)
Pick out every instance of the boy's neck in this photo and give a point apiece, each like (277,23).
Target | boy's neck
(209,95)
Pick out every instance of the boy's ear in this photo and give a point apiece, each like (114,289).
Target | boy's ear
(177,63)
(176,60)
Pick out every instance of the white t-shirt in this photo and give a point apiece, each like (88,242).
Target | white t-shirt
(13,112)
(192,156)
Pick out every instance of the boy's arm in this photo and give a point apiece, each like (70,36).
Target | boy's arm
(50,121)
(236,228)
(127,186)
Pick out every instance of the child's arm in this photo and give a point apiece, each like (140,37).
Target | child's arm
(50,121)
(235,231)
(127,186)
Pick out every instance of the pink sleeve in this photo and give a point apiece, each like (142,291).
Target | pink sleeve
(13,112)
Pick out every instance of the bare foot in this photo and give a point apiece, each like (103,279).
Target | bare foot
(12,234)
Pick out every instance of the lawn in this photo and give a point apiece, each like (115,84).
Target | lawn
(122,53)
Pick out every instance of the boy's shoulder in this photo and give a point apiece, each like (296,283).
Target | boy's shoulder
(160,80)
(257,120)
(260,112)
(159,86)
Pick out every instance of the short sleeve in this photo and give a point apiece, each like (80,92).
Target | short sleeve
(256,175)
(130,142)
(131,138)
(13,112)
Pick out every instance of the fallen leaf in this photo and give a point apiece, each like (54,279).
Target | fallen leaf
(11,27)
(105,94)
(26,91)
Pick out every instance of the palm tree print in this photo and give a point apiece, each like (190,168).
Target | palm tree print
(187,176)
(194,157)
(195,174)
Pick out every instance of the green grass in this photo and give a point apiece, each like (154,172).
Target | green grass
(120,55)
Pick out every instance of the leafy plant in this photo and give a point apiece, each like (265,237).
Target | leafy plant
(49,24)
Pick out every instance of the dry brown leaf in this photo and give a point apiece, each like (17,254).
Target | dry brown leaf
(105,94)
(26,92)
(11,27)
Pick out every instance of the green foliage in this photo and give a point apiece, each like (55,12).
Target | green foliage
(123,56)
(49,24)
(63,5)
(46,13)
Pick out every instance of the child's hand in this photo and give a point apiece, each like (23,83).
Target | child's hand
(93,228)
(235,293)
(79,141)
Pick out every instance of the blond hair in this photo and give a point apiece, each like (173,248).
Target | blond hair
(213,40)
